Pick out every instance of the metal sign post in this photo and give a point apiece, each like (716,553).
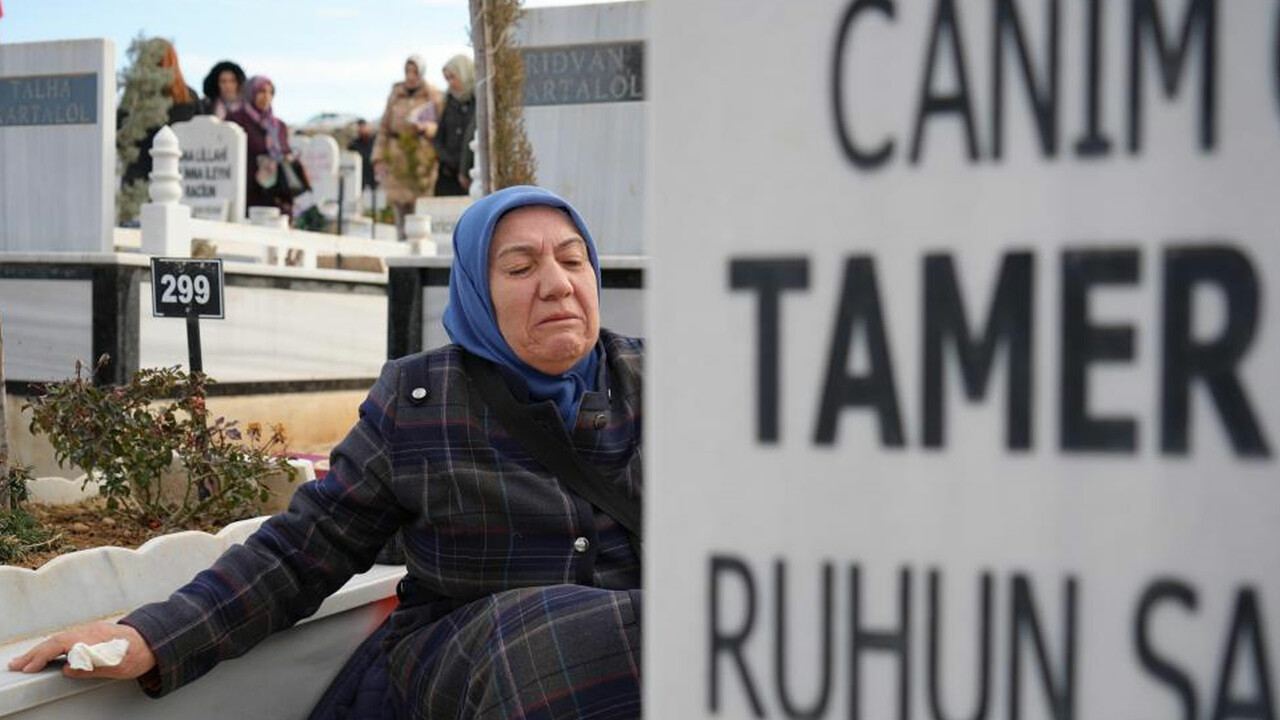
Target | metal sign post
(194,361)
(343,172)
(373,194)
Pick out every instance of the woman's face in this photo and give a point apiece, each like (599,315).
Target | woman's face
(262,98)
(228,85)
(412,77)
(455,82)
(543,288)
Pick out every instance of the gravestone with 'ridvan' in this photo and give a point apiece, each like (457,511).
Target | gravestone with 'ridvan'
(213,167)
(585,113)
(57,146)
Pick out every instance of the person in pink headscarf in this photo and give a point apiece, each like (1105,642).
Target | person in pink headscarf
(275,176)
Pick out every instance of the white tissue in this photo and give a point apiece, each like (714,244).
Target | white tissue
(107,654)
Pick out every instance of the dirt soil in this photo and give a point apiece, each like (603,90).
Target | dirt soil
(81,526)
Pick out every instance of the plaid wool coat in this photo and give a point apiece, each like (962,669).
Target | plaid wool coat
(496,547)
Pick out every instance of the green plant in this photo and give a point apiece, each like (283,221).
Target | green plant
(20,534)
(15,484)
(510,152)
(385,215)
(127,437)
(144,105)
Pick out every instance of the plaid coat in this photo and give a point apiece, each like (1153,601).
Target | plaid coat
(489,535)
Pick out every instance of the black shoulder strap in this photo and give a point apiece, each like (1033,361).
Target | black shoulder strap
(550,449)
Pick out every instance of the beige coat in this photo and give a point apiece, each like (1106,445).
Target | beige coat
(396,130)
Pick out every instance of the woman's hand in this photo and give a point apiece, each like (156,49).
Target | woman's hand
(138,660)
(379,170)
(428,128)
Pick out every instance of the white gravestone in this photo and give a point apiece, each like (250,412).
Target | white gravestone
(963,397)
(585,113)
(213,168)
(319,155)
(351,172)
(57,146)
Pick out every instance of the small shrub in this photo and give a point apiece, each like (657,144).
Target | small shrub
(127,437)
(20,534)
(144,105)
(386,215)
(14,483)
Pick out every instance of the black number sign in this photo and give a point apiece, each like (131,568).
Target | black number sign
(182,287)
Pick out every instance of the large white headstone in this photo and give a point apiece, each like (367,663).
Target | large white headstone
(585,113)
(319,155)
(963,388)
(212,167)
(57,146)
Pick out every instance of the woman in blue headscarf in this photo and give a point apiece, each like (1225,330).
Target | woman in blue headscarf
(522,596)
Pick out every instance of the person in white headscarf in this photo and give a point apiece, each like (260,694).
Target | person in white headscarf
(457,125)
(404,156)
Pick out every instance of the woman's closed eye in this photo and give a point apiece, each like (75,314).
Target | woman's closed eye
(575,261)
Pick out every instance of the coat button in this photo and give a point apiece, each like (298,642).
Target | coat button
(581,544)
(601,421)
(418,393)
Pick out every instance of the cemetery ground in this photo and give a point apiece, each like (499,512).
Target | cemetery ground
(37,532)
(62,529)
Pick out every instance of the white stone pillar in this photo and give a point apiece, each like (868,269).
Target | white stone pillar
(166,226)
(477,185)
(417,232)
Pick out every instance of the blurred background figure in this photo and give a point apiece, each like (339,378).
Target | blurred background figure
(153,94)
(275,176)
(362,143)
(404,157)
(222,89)
(147,106)
(457,125)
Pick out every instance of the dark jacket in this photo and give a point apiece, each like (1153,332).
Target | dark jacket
(457,126)
(364,146)
(140,168)
(257,195)
(478,516)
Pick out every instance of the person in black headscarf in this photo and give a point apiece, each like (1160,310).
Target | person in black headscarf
(222,89)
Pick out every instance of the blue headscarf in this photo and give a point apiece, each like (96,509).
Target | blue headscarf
(469,318)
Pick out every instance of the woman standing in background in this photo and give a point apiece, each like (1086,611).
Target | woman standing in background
(274,176)
(222,89)
(404,159)
(457,125)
